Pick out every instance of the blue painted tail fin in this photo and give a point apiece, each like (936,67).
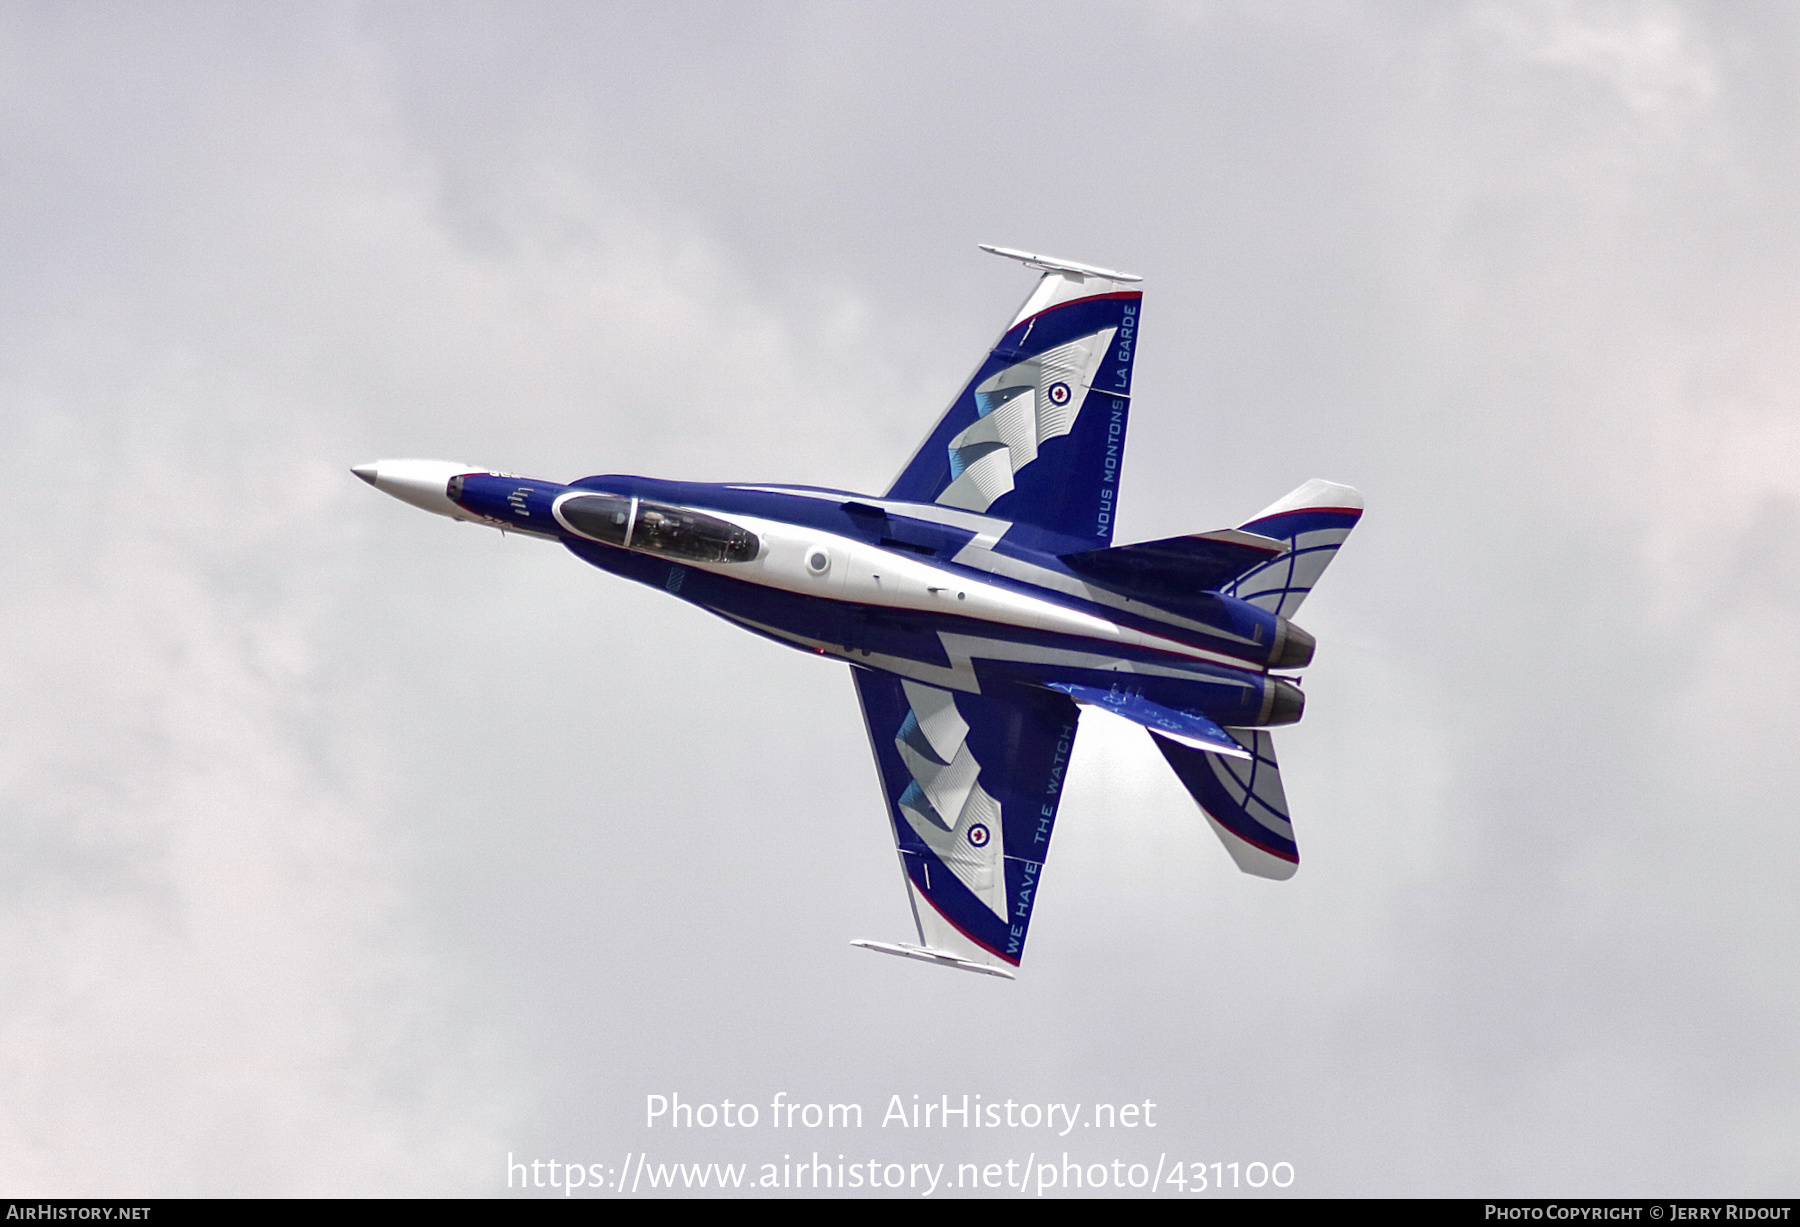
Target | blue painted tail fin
(1038,435)
(1312,522)
(1243,801)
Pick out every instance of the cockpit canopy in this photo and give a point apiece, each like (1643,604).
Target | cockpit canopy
(657,528)
(604,517)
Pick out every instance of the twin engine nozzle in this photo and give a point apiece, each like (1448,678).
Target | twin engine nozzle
(1283,701)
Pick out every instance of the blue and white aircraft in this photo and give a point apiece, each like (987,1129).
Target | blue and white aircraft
(981,605)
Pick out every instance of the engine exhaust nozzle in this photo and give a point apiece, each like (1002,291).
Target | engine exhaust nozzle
(1293,647)
(1283,702)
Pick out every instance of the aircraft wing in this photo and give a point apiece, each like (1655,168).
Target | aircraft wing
(972,783)
(1038,434)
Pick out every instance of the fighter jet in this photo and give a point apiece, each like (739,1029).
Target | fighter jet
(982,607)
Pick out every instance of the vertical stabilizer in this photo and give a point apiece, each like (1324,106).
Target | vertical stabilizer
(1243,800)
(1313,521)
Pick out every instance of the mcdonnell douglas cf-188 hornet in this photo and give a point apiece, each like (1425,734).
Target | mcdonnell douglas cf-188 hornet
(981,604)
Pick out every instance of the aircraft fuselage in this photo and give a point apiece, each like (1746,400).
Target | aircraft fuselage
(984,608)
(942,596)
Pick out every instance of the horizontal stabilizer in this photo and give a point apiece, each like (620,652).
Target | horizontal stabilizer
(943,958)
(1177,566)
(1189,728)
(1243,800)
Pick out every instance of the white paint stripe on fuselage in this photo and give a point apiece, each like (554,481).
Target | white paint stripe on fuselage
(983,557)
(864,574)
(980,555)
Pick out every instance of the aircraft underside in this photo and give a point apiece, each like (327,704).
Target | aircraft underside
(956,653)
(983,608)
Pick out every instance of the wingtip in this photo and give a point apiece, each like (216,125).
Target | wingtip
(925,954)
(1055,264)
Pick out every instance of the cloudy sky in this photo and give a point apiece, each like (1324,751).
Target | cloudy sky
(349,850)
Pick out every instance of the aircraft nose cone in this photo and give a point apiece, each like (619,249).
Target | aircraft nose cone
(423,483)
